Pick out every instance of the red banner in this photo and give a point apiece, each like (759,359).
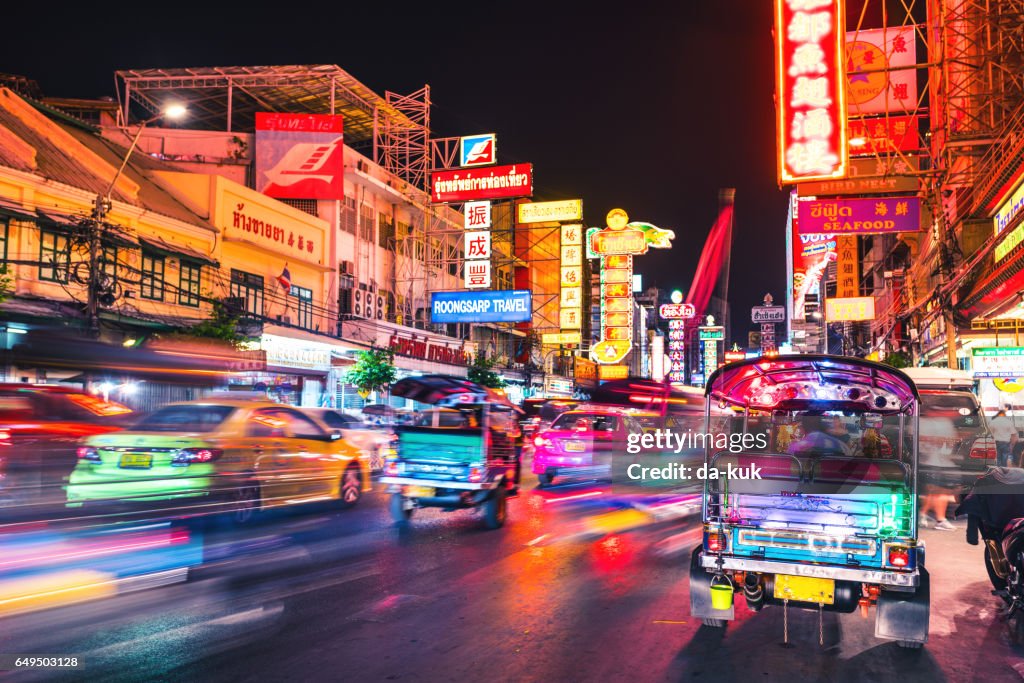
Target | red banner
(494,182)
(810,89)
(884,135)
(300,156)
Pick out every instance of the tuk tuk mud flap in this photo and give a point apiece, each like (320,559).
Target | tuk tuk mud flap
(905,615)
(700,592)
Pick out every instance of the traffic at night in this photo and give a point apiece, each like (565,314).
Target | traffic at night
(536,344)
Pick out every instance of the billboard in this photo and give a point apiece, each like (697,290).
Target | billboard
(300,156)
(810,89)
(507,306)
(879,70)
(884,135)
(872,216)
(494,182)
(811,256)
(850,309)
(551,212)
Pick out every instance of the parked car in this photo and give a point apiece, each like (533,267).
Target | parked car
(373,441)
(222,455)
(582,443)
(40,428)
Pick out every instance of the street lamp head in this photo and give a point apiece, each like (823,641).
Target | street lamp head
(174,111)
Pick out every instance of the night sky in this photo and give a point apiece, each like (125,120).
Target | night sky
(649,111)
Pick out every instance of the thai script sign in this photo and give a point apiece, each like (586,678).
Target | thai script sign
(859,216)
(768,314)
(676,311)
(997,361)
(549,212)
(850,309)
(495,182)
(424,350)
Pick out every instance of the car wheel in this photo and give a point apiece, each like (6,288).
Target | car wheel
(715,623)
(243,504)
(545,479)
(496,509)
(350,488)
(399,512)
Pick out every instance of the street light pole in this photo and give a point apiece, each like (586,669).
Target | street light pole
(101,208)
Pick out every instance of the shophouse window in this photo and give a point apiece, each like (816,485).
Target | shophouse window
(348,216)
(249,288)
(108,262)
(367,220)
(5,226)
(387,232)
(54,256)
(188,287)
(303,306)
(151,284)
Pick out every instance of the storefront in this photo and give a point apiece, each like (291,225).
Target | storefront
(296,368)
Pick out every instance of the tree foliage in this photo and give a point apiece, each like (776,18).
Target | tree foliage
(220,325)
(898,359)
(6,284)
(374,370)
(482,372)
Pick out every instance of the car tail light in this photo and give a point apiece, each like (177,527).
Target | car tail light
(898,556)
(983,449)
(476,473)
(188,456)
(541,442)
(716,541)
(88,453)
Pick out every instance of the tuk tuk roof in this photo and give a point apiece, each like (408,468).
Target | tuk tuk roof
(439,390)
(860,380)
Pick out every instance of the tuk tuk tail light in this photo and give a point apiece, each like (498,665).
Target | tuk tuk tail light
(476,473)
(717,542)
(898,556)
(392,468)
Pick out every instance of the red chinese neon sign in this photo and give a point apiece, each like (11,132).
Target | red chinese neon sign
(810,92)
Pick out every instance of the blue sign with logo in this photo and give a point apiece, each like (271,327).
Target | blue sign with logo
(508,306)
(478,150)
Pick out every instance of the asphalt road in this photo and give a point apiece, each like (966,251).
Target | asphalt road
(563,592)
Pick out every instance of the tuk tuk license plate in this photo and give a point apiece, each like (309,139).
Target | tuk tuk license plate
(575,446)
(805,589)
(138,461)
(420,491)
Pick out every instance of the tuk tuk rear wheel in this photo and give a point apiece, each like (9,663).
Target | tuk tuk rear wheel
(545,479)
(715,623)
(910,644)
(399,512)
(495,509)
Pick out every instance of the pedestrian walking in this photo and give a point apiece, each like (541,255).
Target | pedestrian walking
(1005,434)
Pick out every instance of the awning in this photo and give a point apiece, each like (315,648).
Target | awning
(1000,285)
(163,247)
(11,208)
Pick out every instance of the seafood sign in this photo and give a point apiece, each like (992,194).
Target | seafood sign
(859,216)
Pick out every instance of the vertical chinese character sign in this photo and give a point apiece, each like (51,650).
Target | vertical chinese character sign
(477,244)
(571,292)
(810,89)
(616,245)
(847,267)
(676,350)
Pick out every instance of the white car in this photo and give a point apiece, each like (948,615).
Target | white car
(373,441)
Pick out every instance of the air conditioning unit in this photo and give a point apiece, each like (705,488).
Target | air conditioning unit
(358,301)
(380,308)
(347,268)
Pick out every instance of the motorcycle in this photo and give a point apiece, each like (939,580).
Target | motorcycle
(995,511)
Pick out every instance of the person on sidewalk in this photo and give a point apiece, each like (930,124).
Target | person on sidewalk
(1005,434)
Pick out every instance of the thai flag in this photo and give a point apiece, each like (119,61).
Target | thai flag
(285,278)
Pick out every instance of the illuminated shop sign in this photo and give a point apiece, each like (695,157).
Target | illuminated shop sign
(551,212)
(997,362)
(300,156)
(810,89)
(858,216)
(850,309)
(494,182)
(570,298)
(676,311)
(880,71)
(477,215)
(295,353)
(478,150)
(607,372)
(416,347)
(884,135)
(507,306)
(1009,209)
(561,339)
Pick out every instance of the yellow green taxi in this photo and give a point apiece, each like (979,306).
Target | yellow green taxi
(226,455)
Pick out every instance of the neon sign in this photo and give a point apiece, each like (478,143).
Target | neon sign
(810,90)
